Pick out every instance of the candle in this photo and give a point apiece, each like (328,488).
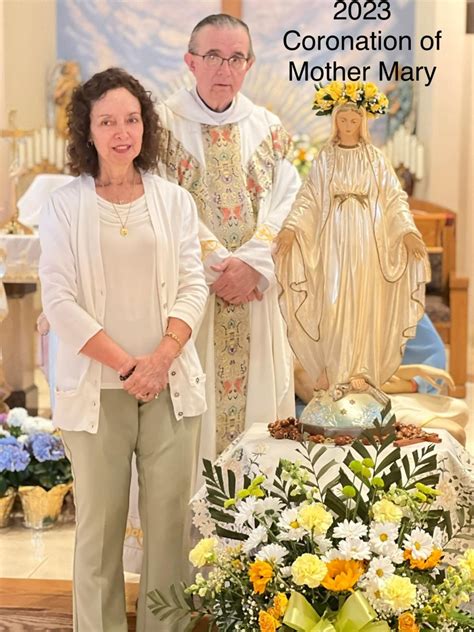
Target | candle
(44,143)
(413,146)
(29,152)
(59,154)
(37,147)
(21,154)
(51,146)
(420,163)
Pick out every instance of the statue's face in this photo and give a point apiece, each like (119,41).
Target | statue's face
(348,124)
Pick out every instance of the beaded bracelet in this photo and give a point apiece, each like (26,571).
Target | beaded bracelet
(174,337)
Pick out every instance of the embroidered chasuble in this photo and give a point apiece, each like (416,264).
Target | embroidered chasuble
(236,166)
(232,219)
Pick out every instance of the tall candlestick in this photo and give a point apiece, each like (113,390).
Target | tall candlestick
(29,152)
(37,154)
(44,143)
(59,153)
(21,154)
(420,163)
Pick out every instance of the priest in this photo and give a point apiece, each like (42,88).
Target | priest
(234,158)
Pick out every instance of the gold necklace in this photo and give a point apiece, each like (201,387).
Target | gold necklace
(123,225)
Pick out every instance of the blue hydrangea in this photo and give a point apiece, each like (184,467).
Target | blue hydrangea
(13,458)
(8,440)
(46,447)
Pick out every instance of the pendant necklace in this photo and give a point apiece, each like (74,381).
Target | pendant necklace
(123,224)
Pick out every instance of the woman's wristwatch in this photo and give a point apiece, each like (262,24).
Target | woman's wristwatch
(122,378)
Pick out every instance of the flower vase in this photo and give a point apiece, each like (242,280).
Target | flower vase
(42,507)
(6,504)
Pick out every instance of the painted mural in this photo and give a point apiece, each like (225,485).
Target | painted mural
(149,37)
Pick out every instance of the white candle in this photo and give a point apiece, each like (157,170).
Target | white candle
(420,163)
(59,153)
(413,146)
(44,143)
(29,152)
(51,146)
(21,154)
(389,151)
(37,154)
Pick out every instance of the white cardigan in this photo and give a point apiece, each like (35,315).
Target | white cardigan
(74,292)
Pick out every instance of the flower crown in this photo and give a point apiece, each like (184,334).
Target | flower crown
(362,95)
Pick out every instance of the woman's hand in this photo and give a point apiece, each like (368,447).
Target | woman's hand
(150,376)
(415,245)
(284,242)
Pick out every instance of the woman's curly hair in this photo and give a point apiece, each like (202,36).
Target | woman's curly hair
(82,154)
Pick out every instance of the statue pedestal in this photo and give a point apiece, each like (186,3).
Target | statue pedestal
(17,341)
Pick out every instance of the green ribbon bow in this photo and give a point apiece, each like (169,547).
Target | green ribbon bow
(356,615)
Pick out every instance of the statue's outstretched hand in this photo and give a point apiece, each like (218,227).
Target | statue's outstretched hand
(415,245)
(283,242)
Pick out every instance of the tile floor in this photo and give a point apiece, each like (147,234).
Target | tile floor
(48,554)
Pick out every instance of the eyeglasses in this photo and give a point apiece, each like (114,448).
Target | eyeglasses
(215,61)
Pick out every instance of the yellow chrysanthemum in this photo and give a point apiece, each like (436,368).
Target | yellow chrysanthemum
(315,518)
(308,570)
(398,593)
(267,622)
(386,511)
(407,623)
(203,553)
(260,574)
(342,574)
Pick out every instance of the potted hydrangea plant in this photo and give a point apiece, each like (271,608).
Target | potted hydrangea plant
(46,478)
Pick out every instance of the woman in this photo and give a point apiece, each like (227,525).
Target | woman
(123,288)
(350,261)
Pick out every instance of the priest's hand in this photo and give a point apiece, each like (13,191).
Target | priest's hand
(415,245)
(237,282)
(284,242)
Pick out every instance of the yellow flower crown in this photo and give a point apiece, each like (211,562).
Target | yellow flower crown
(362,95)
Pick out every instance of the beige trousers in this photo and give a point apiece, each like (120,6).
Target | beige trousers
(166,452)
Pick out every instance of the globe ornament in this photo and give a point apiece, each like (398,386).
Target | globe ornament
(351,414)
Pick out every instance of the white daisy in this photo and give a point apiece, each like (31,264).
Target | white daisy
(350,529)
(380,568)
(269,504)
(354,549)
(393,552)
(258,536)
(285,571)
(323,544)
(245,512)
(272,553)
(372,592)
(439,538)
(419,543)
(382,535)
(332,554)
(289,527)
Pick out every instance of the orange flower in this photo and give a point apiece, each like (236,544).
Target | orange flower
(280,603)
(260,574)
(342,574)
(430,562)
(267,622)
(406,623)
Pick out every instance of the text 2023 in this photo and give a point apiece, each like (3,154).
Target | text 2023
(358,10)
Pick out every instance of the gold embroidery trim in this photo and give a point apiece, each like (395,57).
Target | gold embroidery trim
(208,246)
(264,233)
